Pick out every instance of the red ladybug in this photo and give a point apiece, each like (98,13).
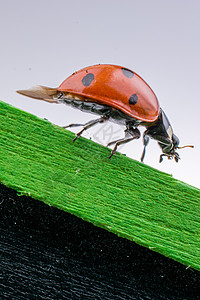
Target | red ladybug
(119,95)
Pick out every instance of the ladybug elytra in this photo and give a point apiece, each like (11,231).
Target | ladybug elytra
(117,94)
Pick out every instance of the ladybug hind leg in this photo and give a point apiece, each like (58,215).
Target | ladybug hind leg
(130,134)
(87,125)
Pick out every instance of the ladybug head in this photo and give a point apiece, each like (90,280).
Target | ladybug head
(169,149)
(175,143)
(167,140)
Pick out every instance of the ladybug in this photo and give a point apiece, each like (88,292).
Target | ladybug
(117,94)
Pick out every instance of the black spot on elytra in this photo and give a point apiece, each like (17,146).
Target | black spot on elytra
(133,99)
(87,79)
(128,73)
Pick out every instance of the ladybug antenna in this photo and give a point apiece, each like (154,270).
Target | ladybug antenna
(187,146)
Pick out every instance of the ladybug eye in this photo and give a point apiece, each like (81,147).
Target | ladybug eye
(133,99)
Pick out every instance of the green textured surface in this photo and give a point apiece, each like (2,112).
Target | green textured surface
(121,195)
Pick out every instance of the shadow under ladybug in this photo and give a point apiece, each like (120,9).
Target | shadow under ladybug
(116,94)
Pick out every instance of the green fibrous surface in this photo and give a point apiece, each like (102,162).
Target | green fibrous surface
(121,195)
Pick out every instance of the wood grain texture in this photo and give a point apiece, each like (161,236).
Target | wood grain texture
(121,195)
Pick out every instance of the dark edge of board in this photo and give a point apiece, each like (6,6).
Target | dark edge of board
(47,253)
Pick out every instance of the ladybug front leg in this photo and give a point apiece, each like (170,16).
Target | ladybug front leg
(130,134)
(146,139)
(88,125)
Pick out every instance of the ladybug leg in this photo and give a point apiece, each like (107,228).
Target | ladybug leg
(114,142)
(73,125)
(127,135)
(88,125)
(175,156)
(146,139)
(130,134)
(161,157)
(168,155)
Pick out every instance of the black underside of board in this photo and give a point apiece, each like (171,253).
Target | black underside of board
(46,253)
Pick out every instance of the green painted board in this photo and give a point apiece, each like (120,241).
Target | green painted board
(121,195)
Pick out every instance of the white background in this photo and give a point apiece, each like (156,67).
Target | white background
(43,42)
